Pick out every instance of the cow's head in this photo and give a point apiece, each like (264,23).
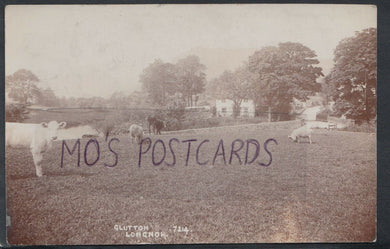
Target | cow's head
(292,138)
(52,128)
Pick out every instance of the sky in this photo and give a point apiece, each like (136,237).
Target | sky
(96,50)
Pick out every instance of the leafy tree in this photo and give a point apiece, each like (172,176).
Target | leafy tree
(119,100)
(282,73)
(352,81)
(159,79)
(191,78)
(47,97)
(21,86)
(236,86)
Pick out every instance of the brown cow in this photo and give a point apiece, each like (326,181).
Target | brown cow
(156,124)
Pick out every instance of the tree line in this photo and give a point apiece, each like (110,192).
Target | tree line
(352,82)
(22,88)
(169,84)
(276,75)
(273,77)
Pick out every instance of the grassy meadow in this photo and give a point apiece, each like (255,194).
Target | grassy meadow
(325,191)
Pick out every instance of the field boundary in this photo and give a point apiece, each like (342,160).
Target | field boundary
(232,126)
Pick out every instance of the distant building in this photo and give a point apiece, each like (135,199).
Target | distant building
(224,108)
(311,112)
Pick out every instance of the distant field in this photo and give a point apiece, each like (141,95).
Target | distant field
(121,119)
(87,116)
(325,191)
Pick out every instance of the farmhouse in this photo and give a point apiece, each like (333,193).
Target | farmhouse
(224,108)
(310,113)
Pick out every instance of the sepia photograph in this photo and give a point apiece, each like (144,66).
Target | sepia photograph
(190,124)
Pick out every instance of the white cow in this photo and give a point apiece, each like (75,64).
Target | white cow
(301,132)
(38,136)
(136,132)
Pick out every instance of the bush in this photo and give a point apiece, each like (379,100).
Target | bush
(364,127)
(15,113)
(177,113)
(322,115)
(173,125)
(105,126)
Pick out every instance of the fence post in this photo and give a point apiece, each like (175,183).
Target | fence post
(269,114)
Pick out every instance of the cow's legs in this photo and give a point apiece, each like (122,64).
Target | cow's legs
(37,162)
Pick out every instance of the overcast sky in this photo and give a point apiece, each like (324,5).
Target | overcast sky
(95,50)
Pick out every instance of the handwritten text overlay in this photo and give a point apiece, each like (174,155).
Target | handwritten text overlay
(156,152)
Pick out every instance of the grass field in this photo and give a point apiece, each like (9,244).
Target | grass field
(325,191)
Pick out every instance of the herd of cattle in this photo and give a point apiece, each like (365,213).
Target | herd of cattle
(39,137)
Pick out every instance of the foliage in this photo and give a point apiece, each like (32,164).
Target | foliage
(167,83)
(352,81)
(15,112)
(105,126)
(117,100)
(21,86)
(322,115)
(46,97)
(176,113)
(190,78)
(159,80)
(283,73)
(236,86)
(369,127)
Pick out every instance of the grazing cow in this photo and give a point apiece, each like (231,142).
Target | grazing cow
(136,132)
(151,120)
(158,125)
(301,132)
(38,136)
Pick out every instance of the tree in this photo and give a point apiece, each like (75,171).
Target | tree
(236,86)
(283,73)
(191,78)
(159,80)
(98,102)
(352,81)
(21,86)
(47,97)
(119,100)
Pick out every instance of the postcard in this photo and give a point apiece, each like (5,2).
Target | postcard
(183,124)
